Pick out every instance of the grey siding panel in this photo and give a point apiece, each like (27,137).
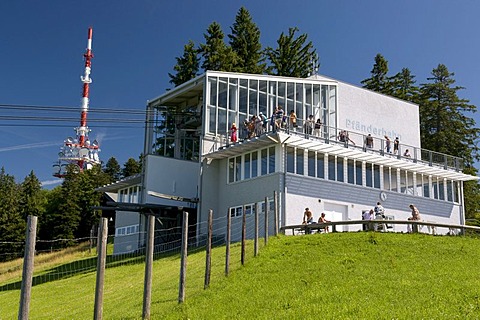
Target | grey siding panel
(339,191)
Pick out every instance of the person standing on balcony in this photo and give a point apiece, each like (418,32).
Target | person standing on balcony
(407,154)
(388,144)
(317,128)
(309,125)
(396,144)
(369,141)
(233,133)
(293,120)
(278,117)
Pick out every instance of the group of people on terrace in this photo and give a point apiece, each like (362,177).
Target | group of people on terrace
(376,213)
(256,125)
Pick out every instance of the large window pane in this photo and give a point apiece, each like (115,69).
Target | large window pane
(213,91)
(351,171)
(376,176)
(358,173)
(231,169)
(369,175)
(246,172)
(331,168)
(300,161)
(340,169)
(321,166)
(222,93)
(222,121)
(264,162)
(243,100)
(238,168)
(271,160)
(212,120)
(254,164)
(311,163)
(290,159)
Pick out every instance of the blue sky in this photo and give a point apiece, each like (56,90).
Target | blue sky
(135,44)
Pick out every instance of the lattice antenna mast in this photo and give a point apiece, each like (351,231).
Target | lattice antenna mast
(80,151)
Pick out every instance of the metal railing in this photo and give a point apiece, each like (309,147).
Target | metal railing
(359,141)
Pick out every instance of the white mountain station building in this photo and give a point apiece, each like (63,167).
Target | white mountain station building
(191,163)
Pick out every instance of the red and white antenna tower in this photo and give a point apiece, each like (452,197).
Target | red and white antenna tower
(79,151)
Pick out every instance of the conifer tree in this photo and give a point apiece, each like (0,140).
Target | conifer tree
(187,65)
(131,167)
(444,124)
(245,42)
(31,198)
(12,226)
(113,169)
(216,54)
(403,86)
(293,56)
(445,127)
(379,81)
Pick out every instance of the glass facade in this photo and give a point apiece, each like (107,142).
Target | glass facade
(235,99)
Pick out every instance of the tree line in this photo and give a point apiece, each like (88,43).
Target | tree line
(66,211)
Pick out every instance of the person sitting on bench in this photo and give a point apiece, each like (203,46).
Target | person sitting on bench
(323,220)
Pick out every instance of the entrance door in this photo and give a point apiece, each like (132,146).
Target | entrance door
(336,212)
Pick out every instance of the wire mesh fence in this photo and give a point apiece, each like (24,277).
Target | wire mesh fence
(65,271)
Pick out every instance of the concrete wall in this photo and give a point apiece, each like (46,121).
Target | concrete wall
(126,243)
(364,111)
(172,177)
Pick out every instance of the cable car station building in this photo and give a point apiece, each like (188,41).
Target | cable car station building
(192,164)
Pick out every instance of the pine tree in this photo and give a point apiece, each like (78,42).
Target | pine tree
(445,128)
(403,86)
(12,226)
(444,125)
(31,200)
(131,167)
(217,56)
(379,81)
(187,65)
(113,169)
(293,57)
(245,42)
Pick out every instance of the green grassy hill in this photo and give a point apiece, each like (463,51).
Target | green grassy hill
(321,276)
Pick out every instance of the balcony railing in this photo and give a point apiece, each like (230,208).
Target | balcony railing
(363,142)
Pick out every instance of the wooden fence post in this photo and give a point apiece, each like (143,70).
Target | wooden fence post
(183,259)
(147,287)
(227,244)
(275,215)
(255,242)
(266,220)
(208,262)
(101,261)
(244,228)
(27,275)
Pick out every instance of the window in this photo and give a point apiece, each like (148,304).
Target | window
(321,166)
(311,163)
(331,168)
(248,165)
(351,171)
(127,230)
(300,161)
(291,159)
(340,169)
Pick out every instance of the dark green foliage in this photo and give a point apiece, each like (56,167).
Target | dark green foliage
(187,65)
(216,54)
(31,200)
(113,169)
(245,42)
(293,57)
(131,167)
(378,80)
(471,193)
(444,124)
(403,86)
(12,226)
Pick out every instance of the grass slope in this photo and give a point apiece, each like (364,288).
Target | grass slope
(322,276)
